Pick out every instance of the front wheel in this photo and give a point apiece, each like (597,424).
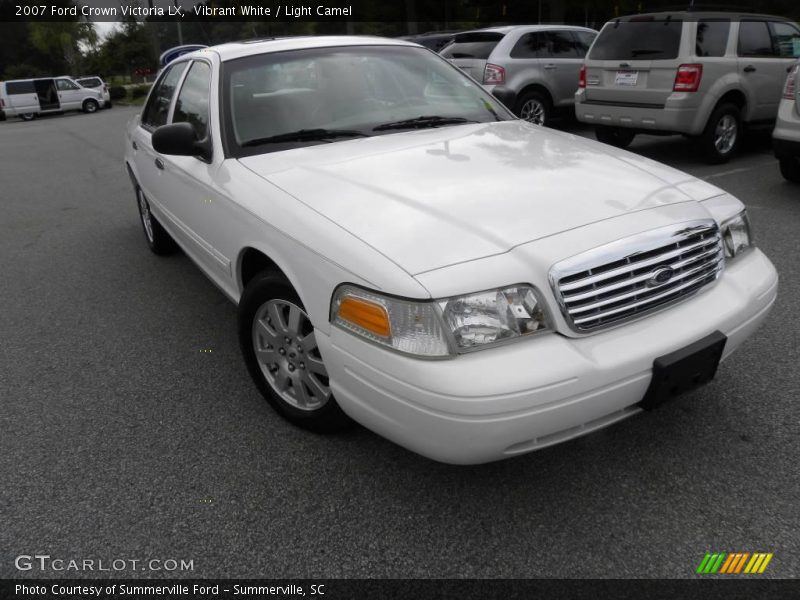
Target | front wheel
(720,139)
(614,136)
(790,168)
(28,116)
(90,106)
(280,350)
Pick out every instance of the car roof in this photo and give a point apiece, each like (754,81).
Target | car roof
(697,15)
(535,27)
(234,50)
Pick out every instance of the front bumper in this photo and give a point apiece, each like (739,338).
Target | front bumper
(513,399)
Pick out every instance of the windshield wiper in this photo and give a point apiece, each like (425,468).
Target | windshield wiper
(303,135)
(423,122)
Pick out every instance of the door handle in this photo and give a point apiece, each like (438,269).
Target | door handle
(133,143)
(749,69)
(160,164)
(550,67)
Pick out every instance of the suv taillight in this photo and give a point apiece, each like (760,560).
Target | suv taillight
(788,88)
(687,79)
(494,74)
(582,77)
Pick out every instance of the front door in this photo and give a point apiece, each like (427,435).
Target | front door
(69,94)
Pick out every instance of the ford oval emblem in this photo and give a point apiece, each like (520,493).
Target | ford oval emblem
(660,276)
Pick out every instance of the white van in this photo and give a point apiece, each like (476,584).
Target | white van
(27,98)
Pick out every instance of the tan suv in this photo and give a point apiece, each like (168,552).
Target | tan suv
(702,74)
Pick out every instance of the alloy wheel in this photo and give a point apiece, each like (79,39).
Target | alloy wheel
(533,111)
(147,219)
(287,354)
(725,134)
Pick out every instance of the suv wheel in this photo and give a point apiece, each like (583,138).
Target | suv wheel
(535,108)
(790,168)
(280,349)
(720,140)
(27,116)
(614,136)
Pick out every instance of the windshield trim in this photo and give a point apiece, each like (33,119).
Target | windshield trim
(231,149)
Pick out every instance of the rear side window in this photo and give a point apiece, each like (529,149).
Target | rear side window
(90,82)
(584,39)
(64,85)
(754,39)
(787,39)
(157,109)
(560,44)
(530,45)
(475,44)
(20,87)
(712,38)
(638,40)
(192,103)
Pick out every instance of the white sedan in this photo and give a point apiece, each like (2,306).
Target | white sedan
(407,254)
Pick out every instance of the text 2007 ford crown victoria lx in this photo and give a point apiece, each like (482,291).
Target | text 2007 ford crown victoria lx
(405,253)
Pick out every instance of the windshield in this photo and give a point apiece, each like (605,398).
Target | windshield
(281,100)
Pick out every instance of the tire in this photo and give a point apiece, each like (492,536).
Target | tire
(720,139)
(290,375)
(27,116)
(534,107)
(158,240)
(790,168)
(90,106)
(614,136)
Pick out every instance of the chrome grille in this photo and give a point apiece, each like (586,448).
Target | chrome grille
(627,278)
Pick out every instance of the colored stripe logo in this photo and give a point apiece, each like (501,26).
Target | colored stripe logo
(734,563)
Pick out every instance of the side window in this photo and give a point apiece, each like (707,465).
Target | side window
(712,38)
(192,103)
(754,39)
(786,38)
(561,44)
(20,87)
(583,41)
(157,108)
(528,46)
(64,85)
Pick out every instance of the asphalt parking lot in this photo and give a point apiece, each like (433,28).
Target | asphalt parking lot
(130,427)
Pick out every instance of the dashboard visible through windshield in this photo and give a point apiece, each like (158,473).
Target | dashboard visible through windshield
(276,101)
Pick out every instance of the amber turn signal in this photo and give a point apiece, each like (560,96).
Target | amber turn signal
(367,315)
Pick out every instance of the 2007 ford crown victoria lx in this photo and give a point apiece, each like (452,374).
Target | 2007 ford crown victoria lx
(406,253)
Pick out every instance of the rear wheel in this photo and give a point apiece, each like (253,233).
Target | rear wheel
(280,349)
(790,168)
(614,136)
(90,106)
(535,107)
(27,116)
(158,240)
(722,134)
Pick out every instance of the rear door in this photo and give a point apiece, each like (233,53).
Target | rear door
(155,114)
(634,61)
(22,97)
(470,51)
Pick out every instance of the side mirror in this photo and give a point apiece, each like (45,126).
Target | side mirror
(180,139)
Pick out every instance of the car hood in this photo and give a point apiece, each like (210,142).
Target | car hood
(431,198)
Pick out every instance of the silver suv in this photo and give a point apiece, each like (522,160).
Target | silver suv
(532,69)
(702,74)
(786,137)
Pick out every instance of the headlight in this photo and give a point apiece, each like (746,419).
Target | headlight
(736,235)
(440,328)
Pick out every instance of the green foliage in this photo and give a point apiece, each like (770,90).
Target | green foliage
(138,91)
(117,92)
